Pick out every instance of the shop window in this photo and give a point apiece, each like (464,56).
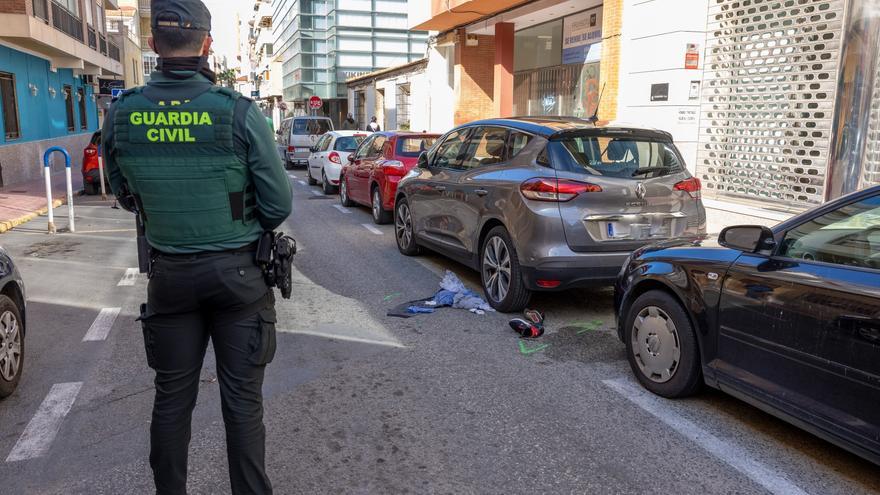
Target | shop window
(83,116)
(10,106)
(538,46)
(68,107)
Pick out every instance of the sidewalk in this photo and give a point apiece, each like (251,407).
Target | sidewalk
(23,202)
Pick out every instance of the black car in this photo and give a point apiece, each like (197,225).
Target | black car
(787,319)
(12,325)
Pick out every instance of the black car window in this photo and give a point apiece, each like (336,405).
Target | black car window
(364,149)
(324,143)
(487,146)
(449,152)
(517,142)
(348,143)
(376,147)
(849,235)
(618,157)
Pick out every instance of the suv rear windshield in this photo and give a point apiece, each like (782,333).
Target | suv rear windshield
(349,143)
(307,127)
(623,158)
(414,146)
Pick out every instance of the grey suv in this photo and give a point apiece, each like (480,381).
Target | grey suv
(542,204)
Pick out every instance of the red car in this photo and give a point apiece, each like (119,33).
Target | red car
(91,176)
(374,169)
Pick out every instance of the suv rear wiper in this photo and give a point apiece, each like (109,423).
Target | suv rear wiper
(647,170)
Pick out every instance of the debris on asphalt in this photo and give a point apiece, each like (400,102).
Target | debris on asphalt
(531,326)
(452,294)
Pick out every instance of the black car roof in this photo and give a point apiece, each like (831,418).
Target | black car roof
(559,127)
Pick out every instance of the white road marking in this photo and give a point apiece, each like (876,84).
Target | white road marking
(291,176)
(302,182)
(730,453)
(38,435)
(101,326)
(129,278)
(342,208)
(346,338)
(317,192)
(371,228)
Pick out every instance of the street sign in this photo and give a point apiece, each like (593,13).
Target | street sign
(116,92)
(255,94)
(315,103)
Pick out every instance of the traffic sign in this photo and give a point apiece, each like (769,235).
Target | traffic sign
(116,92)
(315,103)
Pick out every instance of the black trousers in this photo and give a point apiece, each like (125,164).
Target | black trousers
(220,297)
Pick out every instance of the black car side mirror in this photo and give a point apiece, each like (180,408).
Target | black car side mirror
(351,158)
(423,160)
(747,238)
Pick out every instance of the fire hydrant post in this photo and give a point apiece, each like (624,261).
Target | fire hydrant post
(67,172)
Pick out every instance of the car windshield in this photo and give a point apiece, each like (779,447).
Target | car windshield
(414,146)
(622,158)
(306,127)
(348,143)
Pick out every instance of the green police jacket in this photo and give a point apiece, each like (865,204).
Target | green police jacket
(201,161)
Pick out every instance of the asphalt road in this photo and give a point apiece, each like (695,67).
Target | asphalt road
(358,402)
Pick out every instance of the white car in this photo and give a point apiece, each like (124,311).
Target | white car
(328,156)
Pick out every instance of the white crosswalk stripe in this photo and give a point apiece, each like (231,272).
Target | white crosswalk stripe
(100,328)
(38,435)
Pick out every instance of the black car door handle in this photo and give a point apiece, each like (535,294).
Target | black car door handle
(481,192)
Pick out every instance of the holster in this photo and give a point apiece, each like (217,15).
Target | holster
(274,255)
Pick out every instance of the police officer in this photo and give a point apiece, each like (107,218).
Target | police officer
(202,168)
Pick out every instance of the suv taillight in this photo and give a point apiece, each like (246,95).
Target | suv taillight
(547,189)
(291,149)
(692,186)
(334,157)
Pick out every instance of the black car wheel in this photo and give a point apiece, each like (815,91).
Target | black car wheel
(403,229)
(661,346)
(11,346)
(501,275)
(311,180)
(325,184)
(381,216)
(343,193)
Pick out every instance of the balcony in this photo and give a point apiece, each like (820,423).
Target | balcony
(93,39)
(103,45)
(66,22)
(113,52)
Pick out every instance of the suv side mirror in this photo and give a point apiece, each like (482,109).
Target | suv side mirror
(747,238)
(423,160)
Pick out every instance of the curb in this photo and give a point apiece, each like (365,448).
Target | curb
(15,222)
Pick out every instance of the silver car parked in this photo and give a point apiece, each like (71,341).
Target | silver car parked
(543,204)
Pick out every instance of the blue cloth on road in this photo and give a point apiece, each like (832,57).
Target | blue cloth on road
(452,294)
(419,309)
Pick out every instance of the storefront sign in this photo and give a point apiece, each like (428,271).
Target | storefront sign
(660,92)
(582,37)
(692,57)
(106,86)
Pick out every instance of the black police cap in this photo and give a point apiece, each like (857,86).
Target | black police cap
(181,14)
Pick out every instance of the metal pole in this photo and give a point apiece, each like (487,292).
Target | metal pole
(70,215)
(101,175)
(47,173)
(46,156)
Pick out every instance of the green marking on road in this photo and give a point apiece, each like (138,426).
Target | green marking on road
(527,350)
(588,326)
(391,296)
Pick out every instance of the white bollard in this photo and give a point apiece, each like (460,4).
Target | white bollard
(47,172)
(70,215)
(101,177)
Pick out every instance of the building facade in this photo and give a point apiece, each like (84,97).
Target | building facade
(322,43)
(51,56)
(265,64)
(399,97)
(773,103)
